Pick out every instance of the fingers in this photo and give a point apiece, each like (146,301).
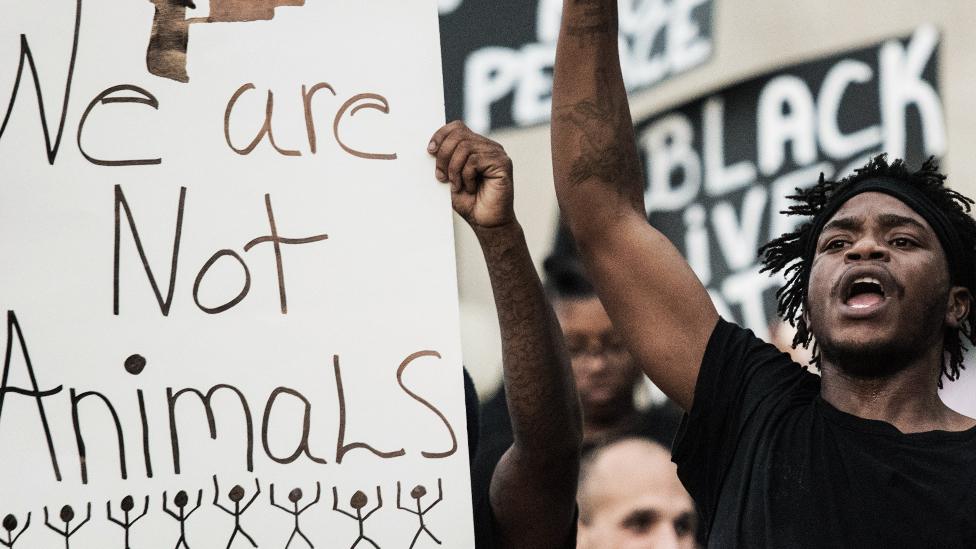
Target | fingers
(459,160)
(470,173)
(442,146)
(439,135)
(461,156)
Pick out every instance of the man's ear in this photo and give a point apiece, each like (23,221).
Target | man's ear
(805,314)
(960,300)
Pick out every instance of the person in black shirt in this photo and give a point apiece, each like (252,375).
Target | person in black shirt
(530,498)
(881,278)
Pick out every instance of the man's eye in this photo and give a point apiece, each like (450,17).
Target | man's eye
(835,244)
(613,344)
(640,521)
(684,525)
(902,242)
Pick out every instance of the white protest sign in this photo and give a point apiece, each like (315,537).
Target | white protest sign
(228,283)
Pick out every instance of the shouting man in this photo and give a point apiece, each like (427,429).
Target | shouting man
(879,281)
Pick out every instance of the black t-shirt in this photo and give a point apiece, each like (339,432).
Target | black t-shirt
(771,464)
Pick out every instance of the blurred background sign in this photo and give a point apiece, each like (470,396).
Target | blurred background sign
(719,168)
(498,54)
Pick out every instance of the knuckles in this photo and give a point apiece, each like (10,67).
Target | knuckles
(468,152)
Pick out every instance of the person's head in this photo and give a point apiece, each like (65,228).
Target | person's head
(882,273)
(606,374)
(630,497)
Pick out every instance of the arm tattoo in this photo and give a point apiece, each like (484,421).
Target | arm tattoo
(607,151)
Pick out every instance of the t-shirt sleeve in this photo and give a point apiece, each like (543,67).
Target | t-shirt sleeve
(741,379)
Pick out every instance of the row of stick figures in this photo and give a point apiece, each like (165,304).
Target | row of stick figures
(181,510)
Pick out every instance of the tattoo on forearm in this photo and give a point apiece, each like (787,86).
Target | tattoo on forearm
(607,151)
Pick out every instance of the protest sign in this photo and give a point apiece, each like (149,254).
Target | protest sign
(228,289)
(498,54)
(719,169)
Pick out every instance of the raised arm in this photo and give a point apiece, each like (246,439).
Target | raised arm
(532,490)
(652,295)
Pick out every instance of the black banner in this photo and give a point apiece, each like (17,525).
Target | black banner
(498,54)
(718,169)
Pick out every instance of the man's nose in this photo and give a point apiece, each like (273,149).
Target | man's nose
(867,249)
(595,361)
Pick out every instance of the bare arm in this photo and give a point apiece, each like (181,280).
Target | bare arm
(532,491)
(650,292)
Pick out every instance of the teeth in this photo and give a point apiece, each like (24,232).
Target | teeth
(865,280)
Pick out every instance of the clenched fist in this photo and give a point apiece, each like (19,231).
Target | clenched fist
(480,174)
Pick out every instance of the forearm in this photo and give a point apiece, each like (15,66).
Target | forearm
(595,162)
(533,490)
(539,384)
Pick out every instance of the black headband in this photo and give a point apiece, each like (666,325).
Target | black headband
(915,199)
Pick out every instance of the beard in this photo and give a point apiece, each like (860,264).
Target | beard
(872,360)
(884,357)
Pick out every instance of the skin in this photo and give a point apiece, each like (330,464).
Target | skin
(644,281)
(532,492)
(631,498)
(639,275)
(605,372)
(883,361)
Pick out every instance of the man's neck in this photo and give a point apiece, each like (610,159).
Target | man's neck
(908,399)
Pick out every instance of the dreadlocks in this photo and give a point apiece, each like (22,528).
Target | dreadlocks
(792,253)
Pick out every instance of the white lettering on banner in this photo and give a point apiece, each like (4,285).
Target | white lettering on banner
(902,85)
(445,7)
(670,139)
(668,145)
(549,14)
(738,239)
(785,115)
(719,178)
(494,72)
(533,96)
(685,44)
(697,248)
(798,136)
(834,142)
(489,74)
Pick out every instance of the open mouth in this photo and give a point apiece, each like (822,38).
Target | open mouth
(865,292)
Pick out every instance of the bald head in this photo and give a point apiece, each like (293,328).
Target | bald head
(630,497)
